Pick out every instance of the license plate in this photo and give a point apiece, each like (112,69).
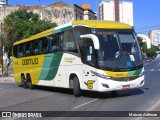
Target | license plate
(125,86)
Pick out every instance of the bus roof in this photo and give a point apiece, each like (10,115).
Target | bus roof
(88,23)
(102,24)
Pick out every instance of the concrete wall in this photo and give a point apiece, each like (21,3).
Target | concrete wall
(155,37)
(58,14)
(109,11)
(126,12)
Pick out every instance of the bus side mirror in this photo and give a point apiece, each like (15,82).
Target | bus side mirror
(94,39)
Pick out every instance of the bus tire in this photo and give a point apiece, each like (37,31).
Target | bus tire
(23,81)
(26,83)
(76,87)
(29,82)
(71,83)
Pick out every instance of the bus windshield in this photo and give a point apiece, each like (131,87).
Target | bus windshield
(119,50)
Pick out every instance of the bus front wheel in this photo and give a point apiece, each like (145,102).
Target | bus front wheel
(76,87)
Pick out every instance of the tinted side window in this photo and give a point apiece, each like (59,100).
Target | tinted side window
(34,47)
(21,50)
(70,41)
(15,51)
(55,41)
(28,49)
(44,45)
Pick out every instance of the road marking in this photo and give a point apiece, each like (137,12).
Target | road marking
(154,106)
(158,69)
(152,69)
(149,63)
(85,103)
(151,109)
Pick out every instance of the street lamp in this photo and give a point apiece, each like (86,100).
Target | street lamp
(1,46)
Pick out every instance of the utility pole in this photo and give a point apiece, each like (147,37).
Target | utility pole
(39,3)
(1,46)
(97,9)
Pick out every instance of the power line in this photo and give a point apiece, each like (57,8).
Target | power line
(145,30)
(148,27)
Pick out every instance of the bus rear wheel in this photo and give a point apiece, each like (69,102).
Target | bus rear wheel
(23,81)
(29,82)
(76,87)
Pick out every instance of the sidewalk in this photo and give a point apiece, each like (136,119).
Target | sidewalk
(7,79)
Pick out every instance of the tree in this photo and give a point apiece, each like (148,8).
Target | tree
(144,47)
(20,25)
(149,52)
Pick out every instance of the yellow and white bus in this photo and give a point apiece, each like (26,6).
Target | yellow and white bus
(82,55)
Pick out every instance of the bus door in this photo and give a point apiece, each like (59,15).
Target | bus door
(89,67)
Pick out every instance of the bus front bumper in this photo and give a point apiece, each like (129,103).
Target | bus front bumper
(111,85)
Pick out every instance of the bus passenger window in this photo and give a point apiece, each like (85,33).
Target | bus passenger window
(44,50)
(70,41)
(54,41)
(44,46)
(15,51)
(36,49)
(21,50)
(27,49)
(55,46)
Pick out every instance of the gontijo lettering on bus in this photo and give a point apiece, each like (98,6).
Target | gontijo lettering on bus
(30,61)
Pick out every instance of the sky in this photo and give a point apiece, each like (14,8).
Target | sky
(146,12)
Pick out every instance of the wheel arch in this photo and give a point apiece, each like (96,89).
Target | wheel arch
(72,75)
(22,74)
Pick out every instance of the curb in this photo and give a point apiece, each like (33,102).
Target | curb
(6,79)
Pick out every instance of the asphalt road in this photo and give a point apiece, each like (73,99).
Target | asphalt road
(15,98)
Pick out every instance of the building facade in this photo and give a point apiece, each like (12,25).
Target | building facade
(154,35)
(88,13)
(3,2)
(59,12)
(116,10)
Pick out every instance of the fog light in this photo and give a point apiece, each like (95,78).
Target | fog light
(105,85)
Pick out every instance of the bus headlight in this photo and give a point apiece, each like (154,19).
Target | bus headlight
(100,75)
(141,74)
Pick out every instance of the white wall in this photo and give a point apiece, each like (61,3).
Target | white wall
(155,37)
(126,12)
(109,11)
(3,2)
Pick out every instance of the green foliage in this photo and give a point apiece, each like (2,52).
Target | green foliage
(149,52)
(22,24)
(144,47)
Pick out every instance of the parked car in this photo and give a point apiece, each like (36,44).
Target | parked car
(148,59)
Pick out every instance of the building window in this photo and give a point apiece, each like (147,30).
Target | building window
(76,16)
